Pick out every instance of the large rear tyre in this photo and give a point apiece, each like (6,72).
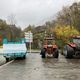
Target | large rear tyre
(56,53)
(68,51)
(43,53)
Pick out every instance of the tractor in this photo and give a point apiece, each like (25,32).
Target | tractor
(72,48)
(50,48)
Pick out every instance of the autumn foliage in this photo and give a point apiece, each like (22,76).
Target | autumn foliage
(65,32)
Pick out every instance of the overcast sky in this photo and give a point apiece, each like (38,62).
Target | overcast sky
(31,11)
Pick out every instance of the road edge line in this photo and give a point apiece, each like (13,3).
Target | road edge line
(6,64)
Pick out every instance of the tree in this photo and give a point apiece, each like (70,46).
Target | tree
(12,19)
(70,16)
(65,32)
(29,28)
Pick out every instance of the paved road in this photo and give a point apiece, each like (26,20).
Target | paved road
(35,68)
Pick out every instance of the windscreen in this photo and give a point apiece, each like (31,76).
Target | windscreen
(77,41)
(51,42)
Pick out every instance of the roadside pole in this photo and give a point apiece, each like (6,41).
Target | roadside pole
(30,38)
(30,46)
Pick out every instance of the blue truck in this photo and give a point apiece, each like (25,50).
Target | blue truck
(13,49)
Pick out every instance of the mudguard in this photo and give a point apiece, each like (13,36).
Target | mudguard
(72,44)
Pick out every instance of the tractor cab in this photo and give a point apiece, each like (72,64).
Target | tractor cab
(75,41)
(49,44)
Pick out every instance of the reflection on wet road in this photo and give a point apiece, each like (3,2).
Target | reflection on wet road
(36,68)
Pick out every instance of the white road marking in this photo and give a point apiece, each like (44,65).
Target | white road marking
(6,64)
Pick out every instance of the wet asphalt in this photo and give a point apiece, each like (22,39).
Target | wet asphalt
(36,68)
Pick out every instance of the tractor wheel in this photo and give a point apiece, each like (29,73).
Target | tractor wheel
(43,53)
(24,57)
(7,59)
(56,53)
(68,51)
